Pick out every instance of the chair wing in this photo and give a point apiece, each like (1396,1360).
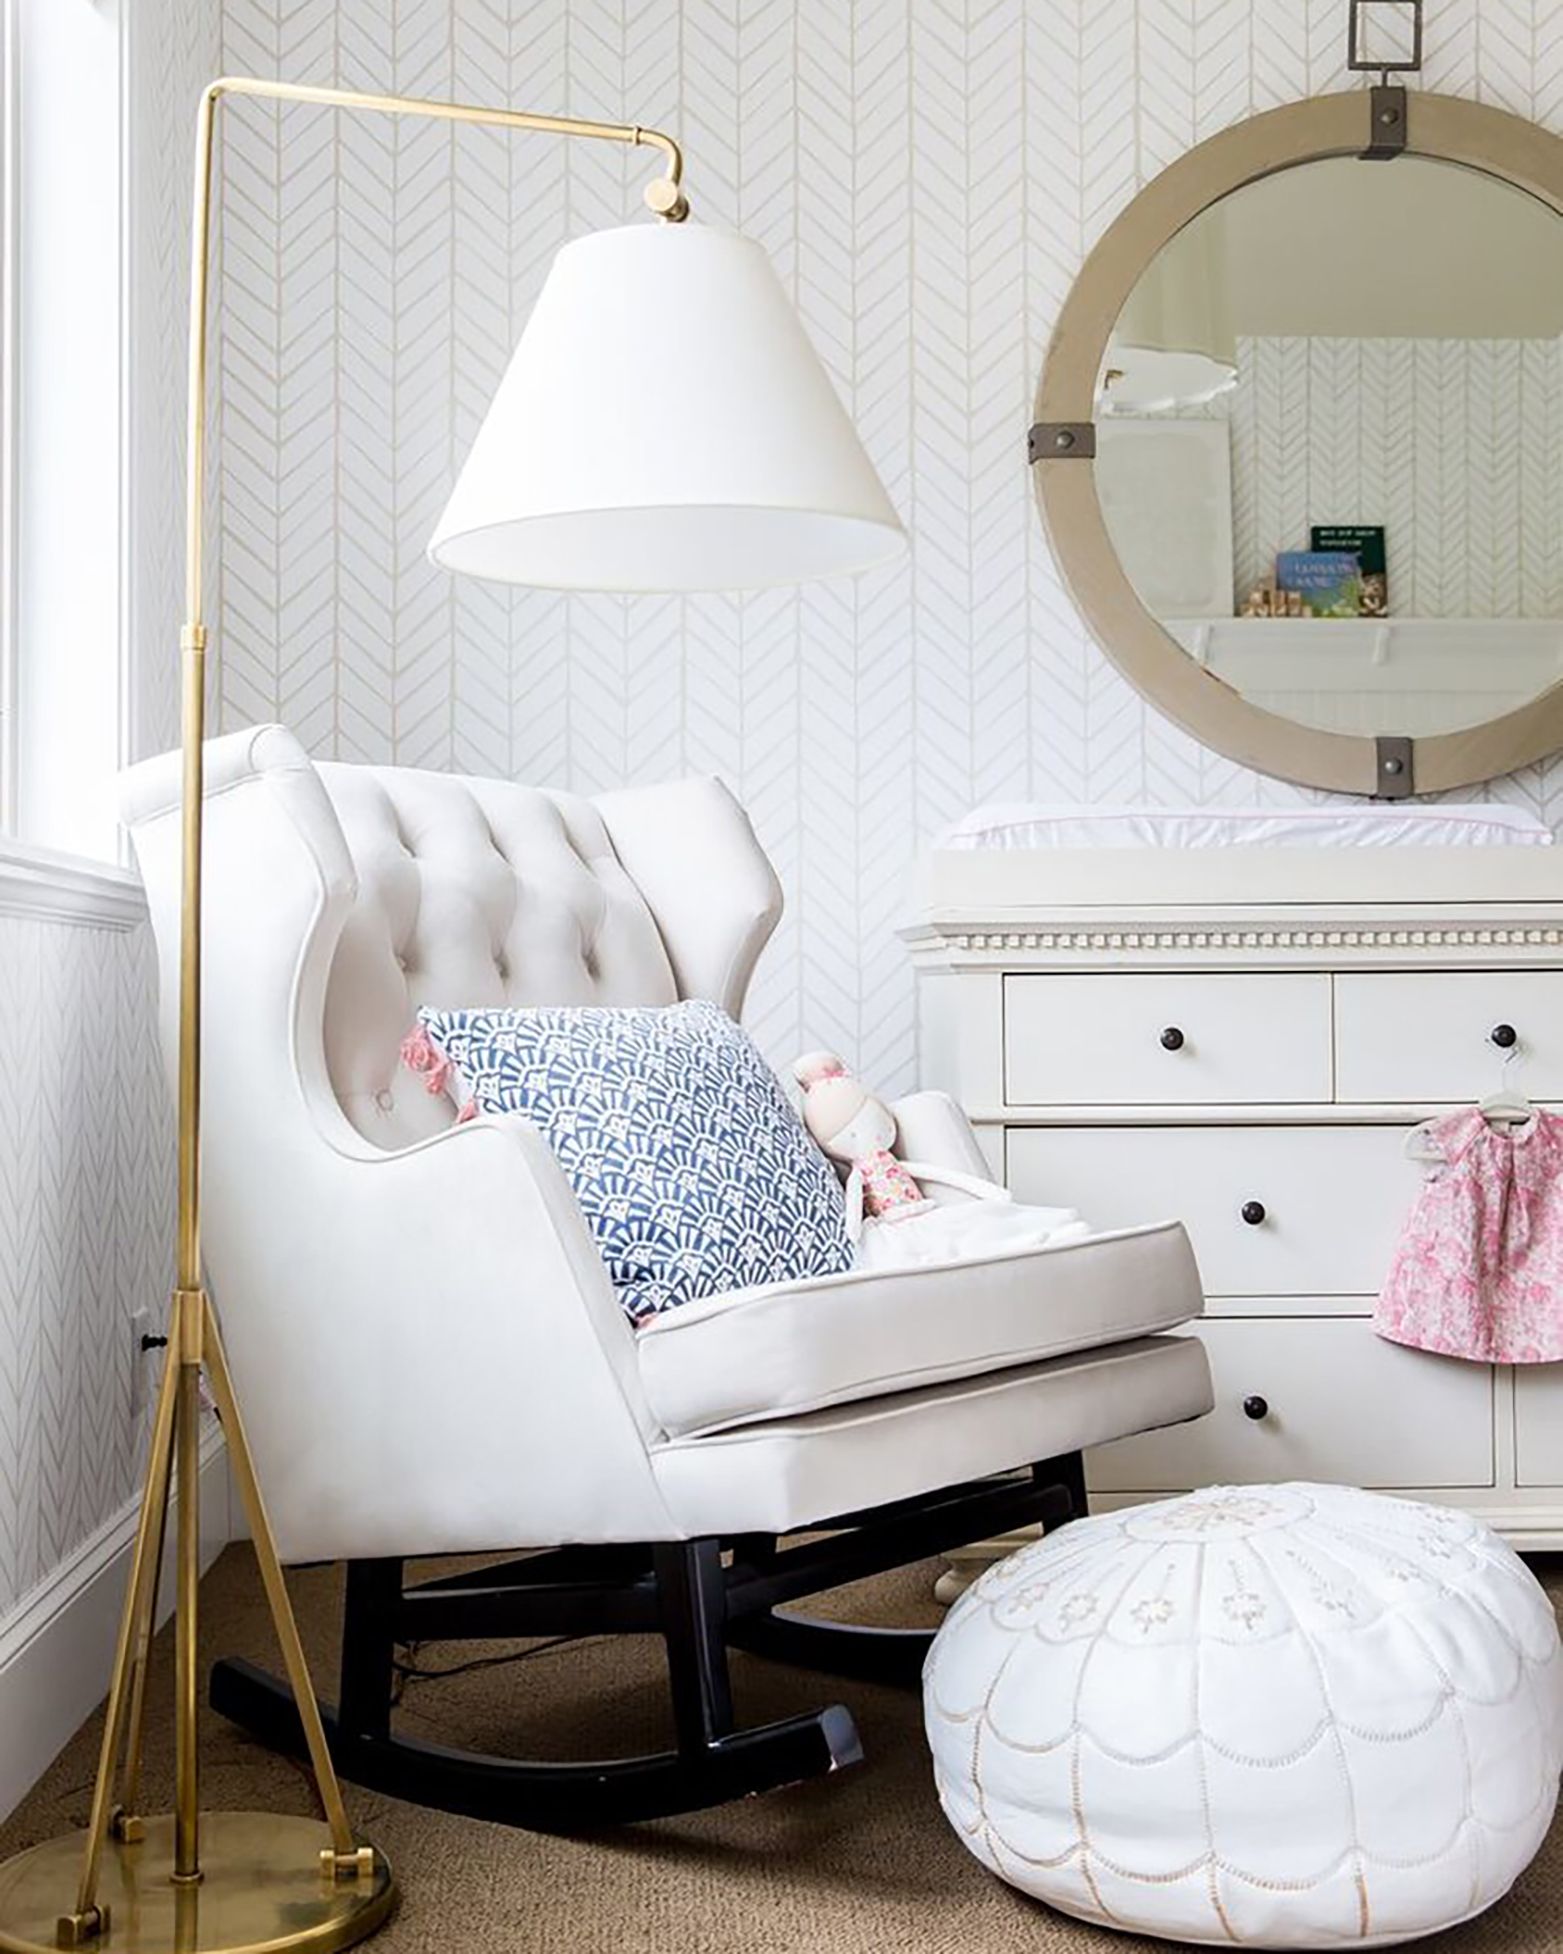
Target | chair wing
(690,850)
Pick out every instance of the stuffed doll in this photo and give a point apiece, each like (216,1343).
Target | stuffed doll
(858,1132)
(893,1221)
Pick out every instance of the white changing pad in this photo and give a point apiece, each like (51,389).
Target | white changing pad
(1017,825)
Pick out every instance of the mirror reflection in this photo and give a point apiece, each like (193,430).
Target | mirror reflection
(1330,444)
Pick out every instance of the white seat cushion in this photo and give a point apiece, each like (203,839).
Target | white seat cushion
(789,1473)
(797,1347)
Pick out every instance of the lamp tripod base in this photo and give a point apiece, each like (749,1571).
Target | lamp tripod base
(262,1891)
(247,1882)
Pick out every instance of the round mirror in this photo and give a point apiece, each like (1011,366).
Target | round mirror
(1301,450)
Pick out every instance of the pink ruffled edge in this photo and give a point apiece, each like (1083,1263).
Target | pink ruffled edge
(421,1055)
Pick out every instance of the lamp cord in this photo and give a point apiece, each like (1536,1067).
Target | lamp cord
(410,1671)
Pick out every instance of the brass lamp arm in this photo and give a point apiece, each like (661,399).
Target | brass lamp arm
(664,195)
(351,98)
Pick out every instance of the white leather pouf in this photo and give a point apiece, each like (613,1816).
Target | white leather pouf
(1280,1716)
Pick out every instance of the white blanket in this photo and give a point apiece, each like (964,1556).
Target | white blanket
(988,1223)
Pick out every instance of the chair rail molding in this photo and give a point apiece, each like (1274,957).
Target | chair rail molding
(50,886)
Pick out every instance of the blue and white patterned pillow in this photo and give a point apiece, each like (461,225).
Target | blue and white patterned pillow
(693,1172)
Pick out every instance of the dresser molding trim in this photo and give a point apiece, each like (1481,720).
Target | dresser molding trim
(1399,937)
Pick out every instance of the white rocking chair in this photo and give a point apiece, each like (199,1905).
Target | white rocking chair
(425,1342)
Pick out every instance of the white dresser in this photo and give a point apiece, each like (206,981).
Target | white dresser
(1242,1038)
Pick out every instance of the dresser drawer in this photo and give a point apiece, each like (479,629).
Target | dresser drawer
(1427,1035)
(1538,1424)
(1166,1040)
(1333,1198)
(1339,1404)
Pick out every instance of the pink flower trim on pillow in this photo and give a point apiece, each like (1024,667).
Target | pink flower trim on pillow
(420,1054)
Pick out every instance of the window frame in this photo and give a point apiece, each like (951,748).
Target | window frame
(9,137)
(66,731)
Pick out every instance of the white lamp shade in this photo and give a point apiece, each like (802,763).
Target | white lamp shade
(664,424)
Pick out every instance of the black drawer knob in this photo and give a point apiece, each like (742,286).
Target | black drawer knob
(1172,1039)
(1504,1036)
(1253,1212)
(1256,1407)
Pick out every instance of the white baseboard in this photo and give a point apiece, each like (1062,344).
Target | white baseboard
(57,1644)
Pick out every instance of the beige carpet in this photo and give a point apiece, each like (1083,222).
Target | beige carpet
(860,1862)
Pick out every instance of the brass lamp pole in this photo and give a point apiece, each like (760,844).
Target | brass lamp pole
(241,1882)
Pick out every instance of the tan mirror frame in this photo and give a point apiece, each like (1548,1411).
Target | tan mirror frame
(1437,126)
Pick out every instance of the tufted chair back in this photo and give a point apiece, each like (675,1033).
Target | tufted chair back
(467,1325)
(452,890)
(477,892)
(339,898)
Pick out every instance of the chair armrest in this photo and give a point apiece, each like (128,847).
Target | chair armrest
(448,1369)
(931,1126)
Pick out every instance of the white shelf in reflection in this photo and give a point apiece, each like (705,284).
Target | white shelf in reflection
(1406,675)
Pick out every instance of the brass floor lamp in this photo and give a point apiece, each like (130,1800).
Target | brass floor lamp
(664,425)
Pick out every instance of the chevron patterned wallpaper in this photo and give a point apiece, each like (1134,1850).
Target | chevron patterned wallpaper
(927,177)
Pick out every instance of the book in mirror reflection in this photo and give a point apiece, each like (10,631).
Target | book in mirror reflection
(1319,583)
(1364,540)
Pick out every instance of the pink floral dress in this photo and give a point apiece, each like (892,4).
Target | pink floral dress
(887,1186)
(1479,1269)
